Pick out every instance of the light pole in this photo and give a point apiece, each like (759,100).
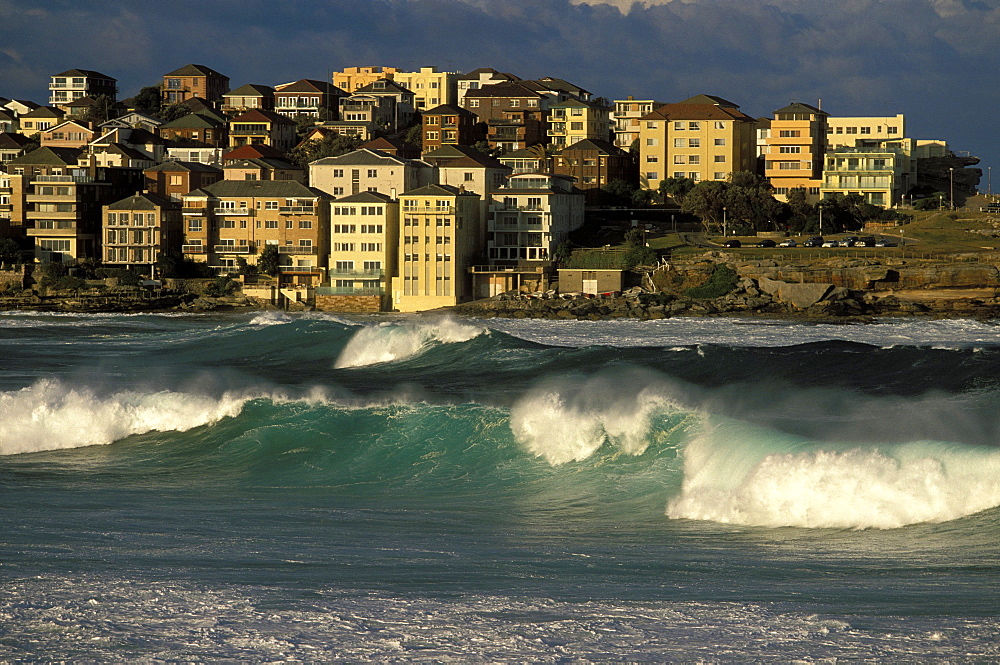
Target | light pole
(723,221)
(820,206)
(951,179)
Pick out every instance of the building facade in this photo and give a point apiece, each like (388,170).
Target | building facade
(572,121)
(190,81)
(74,84)
(262,127)
(364,238)
(449,125)
(430,87)
(138,230)
(367,170)
(794,151)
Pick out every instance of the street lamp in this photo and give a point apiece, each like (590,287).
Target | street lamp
(723,221)
(951,194)
(820,206)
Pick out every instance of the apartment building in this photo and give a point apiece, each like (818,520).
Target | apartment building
(308,97)
(190,81)
(440,236)
(430,87)
(138,230)
(794,151)
(248,97)
(233,220)
(395,104)
(572,121)
(366,170)
(364,239)
(351,79)
(515,114)
(478,78)
(593,163)
(880,173)
(845,131)
(262,168)
(196,127)
(702,138)
(626,117)
(74,84)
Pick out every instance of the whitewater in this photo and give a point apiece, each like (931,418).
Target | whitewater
(314,487)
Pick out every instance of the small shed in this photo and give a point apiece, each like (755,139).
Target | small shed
(588,280)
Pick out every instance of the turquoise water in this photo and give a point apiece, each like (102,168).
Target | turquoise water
(265,487)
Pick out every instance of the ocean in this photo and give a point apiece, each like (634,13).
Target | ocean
(264,487)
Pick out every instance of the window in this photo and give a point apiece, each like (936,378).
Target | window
(338,191)
(176,180)
(576,126)
(694,126)
(305,223)
(694,143)
(680,174)
(720,124)
(371,265)
(371,228)
(789,133)
(678,126)
(473,103)
(289,223)
(372,173)
(371,247)
(694,159)
(432,136)
(680,143)
(720,158)
(270,205)
(851,130)
(720,141)
(866,130)
(653,175)
(891,130)
(652,159)
(270,223)
(344,266)
(194,226)
(789,149)
(680,159)
(719,175)
(338,173)
(652,142)
(345,228)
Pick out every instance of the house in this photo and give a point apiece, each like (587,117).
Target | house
(795,149)
(74,84)
(393,146)
(247,97)
(173,179)
(147,143)
(138,230)
(252,151)
(21,106)
(264,127)
(131,120)
(12,145)
(120,155)
(478,78)
(460,166)
(365,131)
(238,219)
(364,239)
(430,87)
(263,168)
(400,100)
(440,235)
(196,127)
(449,125)
(8,121)
(701,138)
(68,134)
(594,163)
(526,160)
(572,121)
(187,150)
(367,170)
(308,97)
(352,79)
(194,81)
(40,119)
(368,111)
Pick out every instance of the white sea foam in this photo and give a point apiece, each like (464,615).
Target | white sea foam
(270,318)
(51,415)
(394,341)
(569,420)
(744,475)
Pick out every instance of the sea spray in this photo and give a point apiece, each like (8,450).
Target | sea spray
(569,419)
(740,474)
(50,415)
(394,341)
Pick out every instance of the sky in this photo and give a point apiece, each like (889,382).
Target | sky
(937,61)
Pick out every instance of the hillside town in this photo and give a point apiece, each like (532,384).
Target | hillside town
(389,190)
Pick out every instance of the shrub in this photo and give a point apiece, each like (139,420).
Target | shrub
(221,287)
(722,280)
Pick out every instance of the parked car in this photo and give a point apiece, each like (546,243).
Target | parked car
(815,241)
(788,243)
(831,243)
(849,241)
(883,242)
(865,241)
(732,243)
(766,242)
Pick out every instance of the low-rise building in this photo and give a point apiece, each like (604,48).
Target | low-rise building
(39,119)
(196,127)
(263,127)
(74,84)
(880,173)
(248,97)
(430,87)
(844,132)
(194,81)
(232,220)
(138,230)
(308,97)
(263,168)
(594,163)
(173,179)
(12,145)
(352,79)
(626,119)
(449,125)
(794,150)
(572,121)
(68,134)
(367,170)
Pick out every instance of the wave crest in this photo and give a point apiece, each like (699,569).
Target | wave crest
(729,477)
(393,341)
(49,415)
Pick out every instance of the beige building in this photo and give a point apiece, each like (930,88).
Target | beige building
(139,229)
(701,138)
(364,238)
(440,236)
(366,170)
(844,132)
(572,121)
(794,150)
(431,87)
(232,220)
(880,173)
(352,78)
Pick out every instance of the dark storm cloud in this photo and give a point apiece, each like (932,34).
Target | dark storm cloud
(934,60)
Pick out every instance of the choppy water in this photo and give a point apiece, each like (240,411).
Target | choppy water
(264,487)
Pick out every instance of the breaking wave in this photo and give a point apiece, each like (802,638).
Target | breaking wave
(392,341)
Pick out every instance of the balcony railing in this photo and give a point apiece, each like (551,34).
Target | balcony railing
(194,249)
(234,249)
(348,291)
(359,274)
(424,210)
(311,270)
(62,178)
(297,210)
(296,249)
(234,211)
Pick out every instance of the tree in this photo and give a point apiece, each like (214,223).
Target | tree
(244,268)
(562,254)
(636,252)
(303,123)
(707,200)
(333,145)
(269,262)
(675,188)
(619,191)
(174,111)
(149,100)
(10,252)
(799,208)
(102,110)
(414,135)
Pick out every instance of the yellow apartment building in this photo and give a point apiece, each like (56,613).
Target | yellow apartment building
(352,78)
(441,234)
(626,119)
(794,151)
(573,121)
(844,132)
(139,229)
(702,138)
(431,87)
(364,239)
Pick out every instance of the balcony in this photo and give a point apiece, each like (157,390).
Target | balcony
(301,270)
(63,178)
(195,212)
(194,249)
(447,210)
(297,249)
(233,212)
(233,249)
(297,210)
(348,291)
(357,274)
